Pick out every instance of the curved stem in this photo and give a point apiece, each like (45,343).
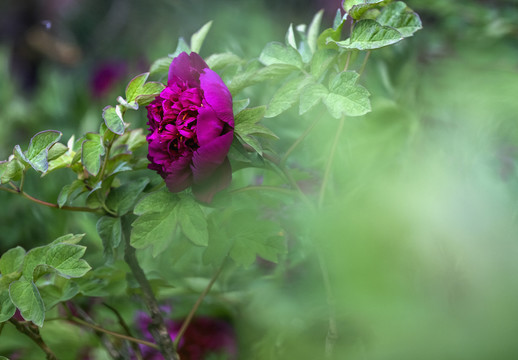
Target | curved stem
(34,336)
(8,190)
(56,206)
(189,317)
(298,141)
(329,164)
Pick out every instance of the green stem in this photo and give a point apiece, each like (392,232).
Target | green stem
(109,332)
(330,163)
(364,62)
(298,141)
(56,206)
(188,320)
(34,336)
(261,188)
(8,190)
(157,327)
(126,328)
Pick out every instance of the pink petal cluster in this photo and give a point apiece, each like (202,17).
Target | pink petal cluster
(191,127)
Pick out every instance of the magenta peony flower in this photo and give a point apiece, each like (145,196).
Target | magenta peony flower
(191,126)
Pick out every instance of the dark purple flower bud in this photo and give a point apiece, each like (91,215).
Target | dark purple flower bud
(191,127)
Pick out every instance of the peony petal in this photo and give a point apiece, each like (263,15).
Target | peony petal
(217,95)
(186,68)
(219,180)
(179,174)
(209,157)
(208,126)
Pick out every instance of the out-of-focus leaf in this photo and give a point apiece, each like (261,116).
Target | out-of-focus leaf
(398,15)
(278,53)
(286,96)
(345,97)
(199,36)
(110,231)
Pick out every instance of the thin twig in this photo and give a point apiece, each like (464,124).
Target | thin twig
(56,206)
(189,317)
(157,326)
(126,328)
(261,188)
(298,141)
(8,190)
(34,336)
(364,62)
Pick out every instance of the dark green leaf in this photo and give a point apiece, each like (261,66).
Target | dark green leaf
(68,191)
(7,308)
(26,297)
(277,53)
(122,198)
(345,97)
(159,201)
(368,35)
(53,294)
(156,228)
(110,231)
(199,36)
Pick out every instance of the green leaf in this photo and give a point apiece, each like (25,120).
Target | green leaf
(156,228)
(110,231)
(240,105)
(314,30)
(56,151)
(66,260)
(12,261)
(181,47)
(92,150)
(26,297)
(37,154)
(7,308)
(368,35)
(161,66)
(149,92)
(277,53)
(68,191)
(401,17)
(68,239)
(192,221)
(333,34)
(10,170)
(356,8)
(122,198)
(321,61)
(310,96)
(290,37)
(132,90)
(113,119)
(33,258)
(345,98)
(53,294)
(250,116)
(286,96)
(158,201)
(222,60)
(199,36)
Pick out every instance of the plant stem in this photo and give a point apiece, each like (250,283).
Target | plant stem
(109,332)
(329,164)
(8,190)
(298,141)
(188,320)
(56,206)
(126,328)
(260,188)
(157,327)
(34,336)
(364,62)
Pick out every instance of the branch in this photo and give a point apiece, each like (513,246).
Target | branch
(34,336)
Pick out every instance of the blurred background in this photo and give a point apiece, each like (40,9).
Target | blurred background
(420,231)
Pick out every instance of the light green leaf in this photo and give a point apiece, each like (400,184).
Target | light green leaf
(26,297)
(38,149)
(222,60)
(321,61)
(250,116)
(156,228)
(122,198)
(290,37)
(345,98)
(368,35)
(286,96)
(310,96)
(192,221)
(199,36)
(334,34)
(240,105)
(161,66)
(356,8)
(56,151)
(132,90)
(271,72)
(35,256)
(149,92)
(12,261)
(10,170)
(113,119)
(159,201)
(66,260)
(7,308)
(401,17)
(181,47)
(110,231)
(53,294)
(314,30)
(68,239)
(277,53)
(92,150)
